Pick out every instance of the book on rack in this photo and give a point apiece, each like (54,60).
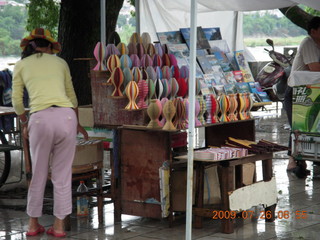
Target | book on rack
(255,97)
(199,73)
(232,61)
(205,64)
(218,75)
(202,52)
(223,61)
(219,46)
(185,32)
(204,87)
(243,66)
(258,92)
(243,87)
(264,96)
(209,80)
(219,89)
(258,87)
(172,37)
(230,88)
(229,77)
(212,59)
(181,52)
(238,75)
(252,86)
(212,33)
(202,42)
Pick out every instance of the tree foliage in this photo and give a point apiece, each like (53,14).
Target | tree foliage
(45,14)
(269,24)
(12,22)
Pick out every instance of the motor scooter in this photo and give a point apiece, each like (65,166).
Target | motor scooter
(273,76)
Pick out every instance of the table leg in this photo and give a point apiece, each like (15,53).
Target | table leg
(199,192)
(267,176)
(226,185)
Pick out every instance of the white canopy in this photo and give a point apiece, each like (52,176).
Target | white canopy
(167,15)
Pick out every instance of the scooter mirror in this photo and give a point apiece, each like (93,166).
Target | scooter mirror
(270,42)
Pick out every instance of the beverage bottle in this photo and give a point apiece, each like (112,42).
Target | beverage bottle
(82,200)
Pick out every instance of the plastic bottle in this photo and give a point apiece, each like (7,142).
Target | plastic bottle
(82,200)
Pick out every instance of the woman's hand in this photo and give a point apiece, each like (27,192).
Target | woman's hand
(25,133)
(81,130)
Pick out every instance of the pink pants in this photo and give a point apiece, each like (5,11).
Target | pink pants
(52,132)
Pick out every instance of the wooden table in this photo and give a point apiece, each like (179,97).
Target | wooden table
(143,151)
(235,197)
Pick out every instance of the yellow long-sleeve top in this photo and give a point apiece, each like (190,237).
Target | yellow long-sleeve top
(48,82)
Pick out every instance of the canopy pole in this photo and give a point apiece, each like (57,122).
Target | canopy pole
(191,116)
(235,33)
(137,6)
(103,22)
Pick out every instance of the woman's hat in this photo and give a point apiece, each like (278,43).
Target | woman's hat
(41,33)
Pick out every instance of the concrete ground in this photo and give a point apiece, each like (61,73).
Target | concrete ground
(299,198)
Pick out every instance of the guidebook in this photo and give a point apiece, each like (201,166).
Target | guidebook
(212,33)
(181,52)
(243,66)
(202,42)
(173,37)
(223,61)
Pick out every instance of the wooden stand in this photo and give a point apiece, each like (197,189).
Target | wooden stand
(143,151)
(106,109)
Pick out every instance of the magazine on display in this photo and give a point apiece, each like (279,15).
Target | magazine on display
(238,75)
(202,42)
(229,77)
(212,33)
(173,37)
(223,61)
(243,87)
(205,89)
(219,46)
(181,52)
(219,89)
(218,75)
(205,64)
(230,88)
(201,39)
(243,66)
(212,59)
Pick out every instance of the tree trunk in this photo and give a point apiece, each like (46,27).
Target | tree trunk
(297,16)
(79,32)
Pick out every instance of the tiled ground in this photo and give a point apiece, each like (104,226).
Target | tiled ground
(293,195)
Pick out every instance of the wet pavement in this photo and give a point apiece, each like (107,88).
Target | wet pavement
(298,206)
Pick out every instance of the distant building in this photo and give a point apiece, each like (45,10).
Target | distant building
(14,3)
(4,3)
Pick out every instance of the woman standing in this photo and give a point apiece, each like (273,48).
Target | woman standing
(51,128)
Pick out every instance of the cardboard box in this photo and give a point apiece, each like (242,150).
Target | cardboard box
(211,194)
(211,191)
(86,116)
(88,153)
(306,108)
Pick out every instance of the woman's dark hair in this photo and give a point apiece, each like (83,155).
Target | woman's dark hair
(313,24)
(31,47)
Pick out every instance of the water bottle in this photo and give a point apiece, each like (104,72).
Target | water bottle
(82,200)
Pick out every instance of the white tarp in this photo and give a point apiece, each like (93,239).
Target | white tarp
(167,15)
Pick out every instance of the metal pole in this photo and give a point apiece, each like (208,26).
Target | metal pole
(137,6)
(103,22)
(191,117)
